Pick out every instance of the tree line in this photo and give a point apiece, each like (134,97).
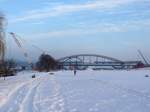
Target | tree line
(45,63)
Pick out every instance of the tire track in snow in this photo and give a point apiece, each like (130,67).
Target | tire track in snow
(27,104)
(19,98)
(55,100)
(15,99)
(58,100)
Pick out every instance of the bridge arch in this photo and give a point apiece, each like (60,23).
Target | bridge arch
(78,56)
(96,61)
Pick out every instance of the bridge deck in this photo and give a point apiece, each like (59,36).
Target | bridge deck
(127,63)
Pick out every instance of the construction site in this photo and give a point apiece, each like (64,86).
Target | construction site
(74,56)
(78,61)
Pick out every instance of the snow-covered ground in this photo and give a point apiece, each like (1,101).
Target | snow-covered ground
(88,91)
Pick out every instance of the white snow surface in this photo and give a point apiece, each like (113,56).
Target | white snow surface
(88,91)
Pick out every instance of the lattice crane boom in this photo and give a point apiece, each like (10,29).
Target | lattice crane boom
(143,57)
(19,44)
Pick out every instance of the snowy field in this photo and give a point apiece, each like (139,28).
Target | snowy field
(88,91)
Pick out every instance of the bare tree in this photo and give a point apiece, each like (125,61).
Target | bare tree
(46,63)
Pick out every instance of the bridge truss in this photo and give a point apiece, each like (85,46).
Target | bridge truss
(83,61)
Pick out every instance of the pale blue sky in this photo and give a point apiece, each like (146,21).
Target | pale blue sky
(114,28)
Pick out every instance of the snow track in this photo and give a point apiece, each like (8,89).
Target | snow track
(88,91)
(57,99)
(13,103)
(27,104)
(20,100)
(42,94)
(54,102)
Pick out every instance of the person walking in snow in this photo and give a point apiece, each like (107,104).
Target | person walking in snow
(75,71)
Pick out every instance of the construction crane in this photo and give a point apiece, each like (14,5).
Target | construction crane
(143,57)
(19,41)
(19,44)
(33,45)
